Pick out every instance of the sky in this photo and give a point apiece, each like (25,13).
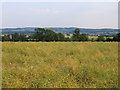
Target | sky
(59,0)
(60,14)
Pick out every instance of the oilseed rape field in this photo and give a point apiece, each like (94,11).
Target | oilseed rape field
(59,64)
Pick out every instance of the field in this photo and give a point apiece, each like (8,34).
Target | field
(95,37)
(60,64)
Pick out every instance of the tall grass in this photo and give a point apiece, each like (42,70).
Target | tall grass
(60,65)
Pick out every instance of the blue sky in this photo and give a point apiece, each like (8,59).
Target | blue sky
(44,14)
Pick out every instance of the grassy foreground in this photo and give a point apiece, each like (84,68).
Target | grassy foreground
(60,64)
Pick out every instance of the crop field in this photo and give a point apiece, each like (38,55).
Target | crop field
(95,37)
(60,65)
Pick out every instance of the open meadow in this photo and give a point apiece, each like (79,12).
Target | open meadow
(60,64)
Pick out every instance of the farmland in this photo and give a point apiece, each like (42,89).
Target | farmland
(60,64)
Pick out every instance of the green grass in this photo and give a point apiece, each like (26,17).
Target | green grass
(60,64)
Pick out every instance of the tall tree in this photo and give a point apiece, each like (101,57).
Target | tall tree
(76,34)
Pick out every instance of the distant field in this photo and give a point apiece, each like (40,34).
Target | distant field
(95,37)
(60,64)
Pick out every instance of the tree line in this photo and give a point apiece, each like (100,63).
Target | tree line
(48,35)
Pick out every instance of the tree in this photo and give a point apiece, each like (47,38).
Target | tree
(15,37)
(42,34)
(116,37)
(22,37)
(60,36)
(67,39)
(39,34)
(108,39)
(18,37)
(5,38)
(76,34)
(100,38)
(50,35)
(83,37)
(0,38)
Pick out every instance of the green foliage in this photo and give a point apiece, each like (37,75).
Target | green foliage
(18,37)
(22,37)
(109,39)
(76,35)
(15,37)
(39,34)
(50,35)
(42,34)
(47,35)
(79,37)
(83,37)
(100,38)
(117,37)
(5,38)
(61,37)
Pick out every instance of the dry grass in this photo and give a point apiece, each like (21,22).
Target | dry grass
(60,64)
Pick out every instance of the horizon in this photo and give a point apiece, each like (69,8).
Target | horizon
(58,27)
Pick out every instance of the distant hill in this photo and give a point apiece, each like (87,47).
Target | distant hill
(68,30)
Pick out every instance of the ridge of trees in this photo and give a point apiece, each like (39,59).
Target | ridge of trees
(48,35)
